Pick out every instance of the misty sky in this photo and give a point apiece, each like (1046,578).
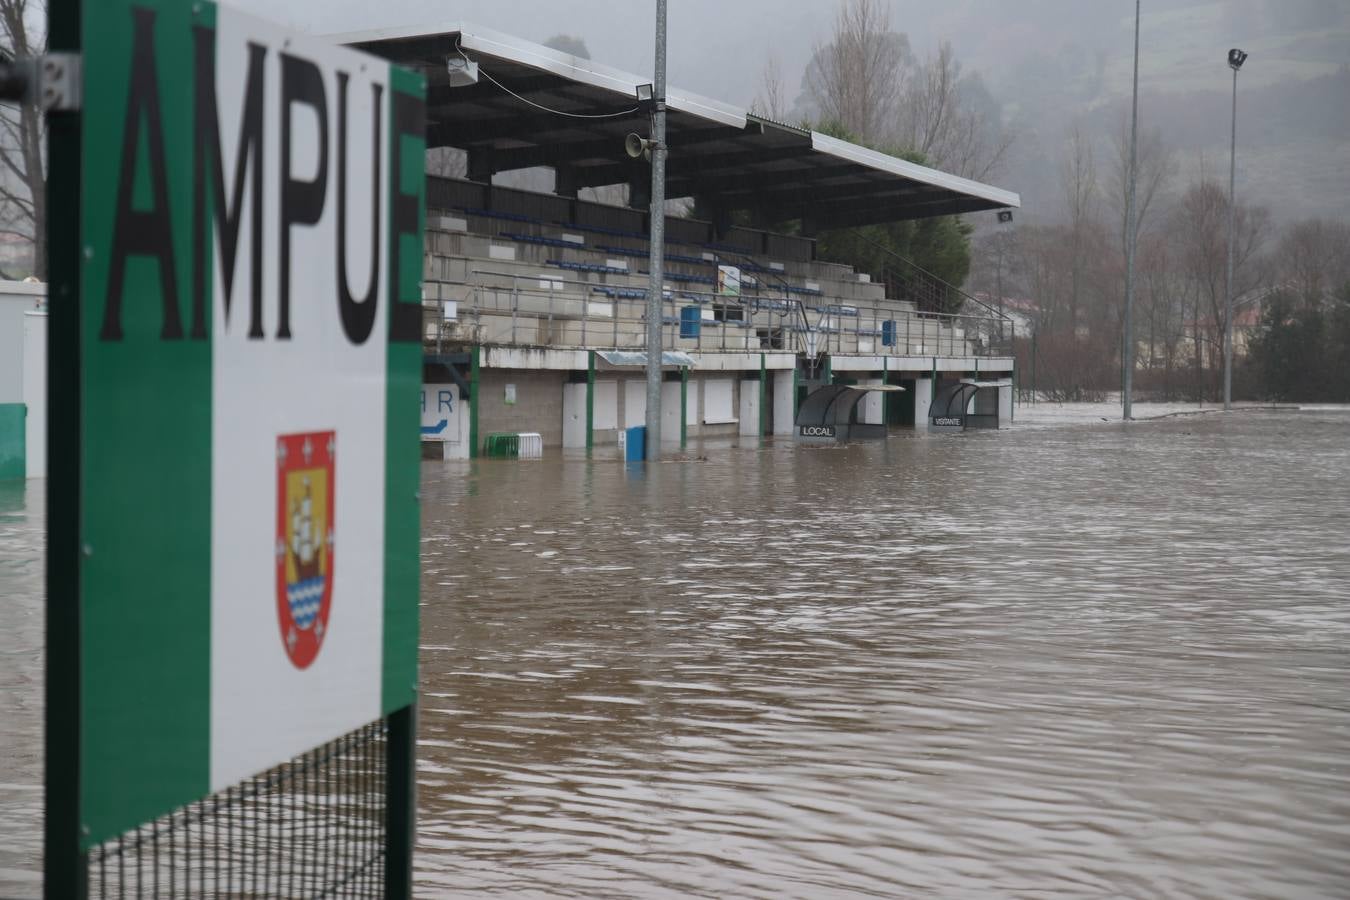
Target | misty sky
(1025,51)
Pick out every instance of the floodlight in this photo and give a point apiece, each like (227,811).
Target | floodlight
(1236,58)
(645,93)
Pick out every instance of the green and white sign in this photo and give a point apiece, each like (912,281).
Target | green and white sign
(251,365)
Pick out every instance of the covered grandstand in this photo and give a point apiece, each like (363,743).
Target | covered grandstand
(526,292)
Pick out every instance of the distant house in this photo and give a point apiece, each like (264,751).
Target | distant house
(16,256)
(1022,310)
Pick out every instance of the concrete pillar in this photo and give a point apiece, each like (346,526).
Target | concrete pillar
(1005,408)
(872,407)
(923,401)
(784,382)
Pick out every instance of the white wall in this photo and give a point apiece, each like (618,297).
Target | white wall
(606,406)
(34,392)
(16,298)
(782,402)
(634,403)
(1005,406)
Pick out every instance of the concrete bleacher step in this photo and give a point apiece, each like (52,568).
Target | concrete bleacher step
(589,280)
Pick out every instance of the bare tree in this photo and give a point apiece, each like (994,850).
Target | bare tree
(867,81)
(23,183)
(856,80)
(1200,232)
(769,101)
(1078,179)
(1155,165)
(1314,258)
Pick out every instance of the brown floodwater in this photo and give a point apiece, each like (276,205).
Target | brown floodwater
(1092,660)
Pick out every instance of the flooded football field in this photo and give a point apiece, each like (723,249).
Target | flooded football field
(1059,660)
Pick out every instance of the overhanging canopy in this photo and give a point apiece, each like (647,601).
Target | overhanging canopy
(734,158)
(639,358)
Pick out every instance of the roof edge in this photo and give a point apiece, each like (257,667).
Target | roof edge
(486,40)
(884,162)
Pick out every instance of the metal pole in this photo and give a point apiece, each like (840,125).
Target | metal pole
(400,802)
(1228,284)
(1127,351)
(65,861)
(657,240)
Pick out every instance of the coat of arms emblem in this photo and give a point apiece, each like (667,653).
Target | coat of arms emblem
(304,541)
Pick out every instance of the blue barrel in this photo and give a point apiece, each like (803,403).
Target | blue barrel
(635,444)
(691,320)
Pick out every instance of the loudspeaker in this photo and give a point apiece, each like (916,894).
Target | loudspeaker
(635,145)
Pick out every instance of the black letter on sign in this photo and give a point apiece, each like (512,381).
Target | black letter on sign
(301,201)
(136,232)
(358,316)
(227,215)
(405,320)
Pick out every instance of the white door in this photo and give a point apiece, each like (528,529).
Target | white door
(749,406)
(574,415)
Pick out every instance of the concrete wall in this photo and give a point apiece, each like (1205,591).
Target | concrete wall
(538,406)
(18,428)
(35,391)
(16,298)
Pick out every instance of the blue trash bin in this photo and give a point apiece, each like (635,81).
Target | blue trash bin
(635,444)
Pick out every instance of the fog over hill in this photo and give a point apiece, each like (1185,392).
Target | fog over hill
(1048,63)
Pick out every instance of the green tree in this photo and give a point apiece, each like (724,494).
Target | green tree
(1302,346)
(940,244)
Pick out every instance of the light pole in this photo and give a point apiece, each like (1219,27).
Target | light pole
(657,237)
(1127,350)
(1236,58)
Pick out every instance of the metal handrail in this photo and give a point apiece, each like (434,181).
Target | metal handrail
(778,318)
(913,265)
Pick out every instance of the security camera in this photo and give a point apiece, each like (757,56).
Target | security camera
(636,145)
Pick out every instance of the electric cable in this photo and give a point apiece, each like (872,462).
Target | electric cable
(547,109)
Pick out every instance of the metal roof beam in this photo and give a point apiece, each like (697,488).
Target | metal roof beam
(852,215)
(450,133)
(681,172)
(731,187)
(611,148)
(857,196)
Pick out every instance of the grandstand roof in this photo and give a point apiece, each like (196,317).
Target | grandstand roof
(740,160)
